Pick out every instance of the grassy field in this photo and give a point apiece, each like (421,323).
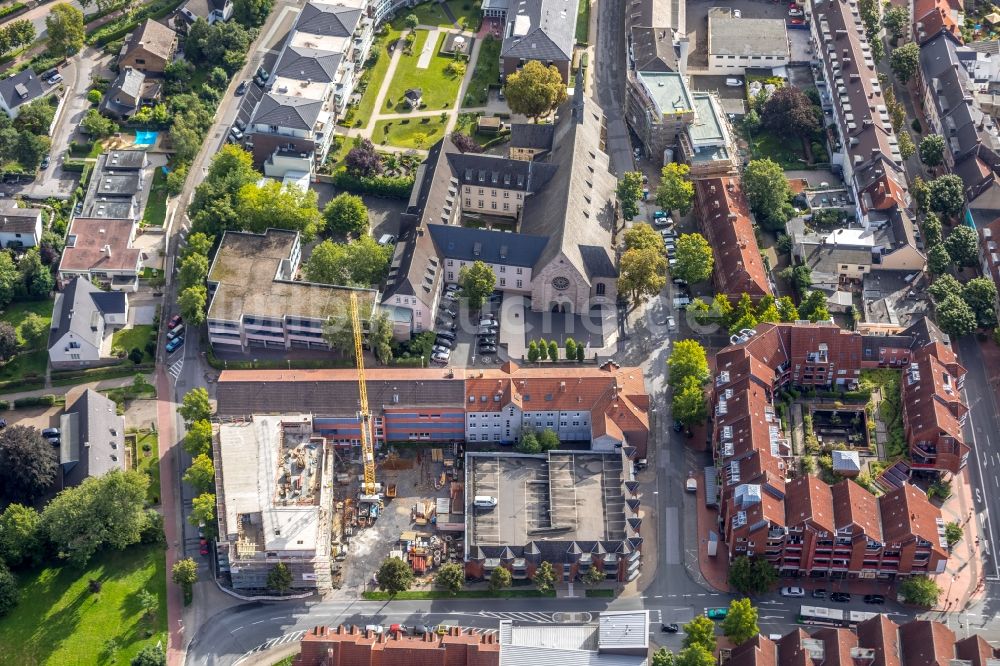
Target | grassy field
(485,74)
(149,462)
(583,22)
(439,88)
(59,621)
(25,366)
(409,132)
(467,125)
(466,12)
(366,106)
(16,313)
(787,153)
(156,207)
(137,336)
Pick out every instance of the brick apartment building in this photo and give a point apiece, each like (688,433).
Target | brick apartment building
(805,527)
(877,641)
(346,646)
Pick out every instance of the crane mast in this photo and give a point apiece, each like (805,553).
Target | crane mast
(367,445)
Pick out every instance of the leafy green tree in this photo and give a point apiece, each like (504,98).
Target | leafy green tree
(198,243)
(553,351)
(543,349)
(102,511)
(920,591)
(339,334)
(252,13)
(740,625)
(629,192)
(150,655)
(201,474)
(751,575)
(21,539)
(963,245)
(953,533)
(695,656)
(813,307)
(28,464)
(548,440)
(203,511)
(64,27)
(451,577)
(198,440)
(394,576)
(641,274)
(943,286)
(787,309)
(980,294)
(411,21)
(500,578)
(532,352)
(477,282)
(905,61)
(9,594)
(790,113)
(279,578)
(744,314)
(31,149)
(896,20)
(688,403)
(932,230)
(580,352)
(36,281)
(767,191)
(192,301)
(700,632)
(10,278)
(535,91)
(195,406)
(906,147)
(380,337)
(570,345)
(8,341)
(938,260)
(97,126)
(193,270)
(947,196)
(594,576)
(544,578)
(687,360)
(921,194)
(641,236)
(694,258)
(932,150)
(175,180)
(346,214)
(528,442)
(767,310)
(260,207)
(955,317)
(185,573)
(676,191)
(35,331)
(148,603)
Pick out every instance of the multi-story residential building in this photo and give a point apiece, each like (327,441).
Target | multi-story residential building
(273,489)
(92,439)
(542,30)
(118,186)
(934,411)
(313,80)
(933,17)
(149,48)
(724,219)
(255,299)
(865,145)
(734,44)
(19,226)
(877,640)
(84,319)
(559,204)
(989,252)
(581,512)
(341,646)
(606,406)
(101,250)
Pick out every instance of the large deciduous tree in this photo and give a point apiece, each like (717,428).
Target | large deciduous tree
(963,245)
(694,258)
(676,191)
(687,359)
(932,150)
(21,538)
(201,474)
(252,13)
(938,259)
(789,112)
(813,307)
(629,192)
(980,294)
(346,214)
(28,464)
(195,406)
(394,576)
(641,274)
(947,195)
(700,632)
(955,317)
(751,575)
(64,27)
(896,20)
(905,61)
(767,191)
(641,236)
(451,577)
(688,402)
(536,90)
(477,281)
(191,302)
(279,578)
(920,591)
(740,624)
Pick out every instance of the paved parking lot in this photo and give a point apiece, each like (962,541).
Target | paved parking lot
(465,352)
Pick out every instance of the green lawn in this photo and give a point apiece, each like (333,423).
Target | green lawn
(137,336)
(149,463)
(375,75)
(486,73)
(583,22)
(467,125)
(59,621)
(787,153)
(16,313)
(467,12)
(439,88)
(409,132)
(156,206)
(25,367)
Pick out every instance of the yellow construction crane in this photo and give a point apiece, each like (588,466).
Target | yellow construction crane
(367,445)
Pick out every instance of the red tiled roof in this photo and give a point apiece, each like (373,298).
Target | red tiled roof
(881,635)
(808,499)
(758,651)
(342,646)
(930,17)
(837,645)
(100,245)
(927,643)
(853,505)
(907,513)
(975,649)
(724,216)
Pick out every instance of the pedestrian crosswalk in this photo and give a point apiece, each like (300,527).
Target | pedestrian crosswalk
(274,642)
(176,367)
(522,617)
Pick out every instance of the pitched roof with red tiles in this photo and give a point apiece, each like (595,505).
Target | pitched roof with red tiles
(347,646)
(855,506)
(931,17)
(881,635)
(758,651)
(976,649)
(808,499)
(791,651)
(837,645)
(932,402)
(907,513)
(927,643)
(724,214)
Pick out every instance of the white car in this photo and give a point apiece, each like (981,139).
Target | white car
(737,13)
(793,592)
(681,302)
(441,349)
(671,323)
(663,222)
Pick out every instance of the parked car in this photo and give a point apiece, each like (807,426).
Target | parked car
(45,162)
(261,76)
(235,132)
(175,332)
(670,628)
(174,322)
(441,349)
(389,239)
(840,597)
(819,594)
(174,345)
(449,311)
(795,12)
(440,358)
(793,592)
(488,330)
(734,82)
(242,88)
(737,13)
(680,283)
(487,320)
(447,335)
(55,78)
(671,323)
(488,340)
(487,349)
(374,628)
(448,325)
(795,22)
(681,302)
(52,434)
(239,123)
(443,342)
(716,613)
(876,599)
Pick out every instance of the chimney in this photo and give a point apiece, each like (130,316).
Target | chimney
(107,250)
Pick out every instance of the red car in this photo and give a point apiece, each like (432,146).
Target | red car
(203,550)
(796,21)
(174,321)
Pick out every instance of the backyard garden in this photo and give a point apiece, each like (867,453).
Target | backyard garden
(438,84)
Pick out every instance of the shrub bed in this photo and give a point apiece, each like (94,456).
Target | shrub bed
(391,187)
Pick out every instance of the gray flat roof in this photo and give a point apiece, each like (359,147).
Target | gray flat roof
(668,90)
(707,125)
(561,496)
(745,36)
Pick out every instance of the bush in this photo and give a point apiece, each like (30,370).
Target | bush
(4,405)
(392,187)
(35,401)
(119,28)
(94,96)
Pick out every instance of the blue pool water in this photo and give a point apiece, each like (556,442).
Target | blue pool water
(145,138)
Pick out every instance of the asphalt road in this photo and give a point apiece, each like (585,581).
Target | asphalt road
(38,13)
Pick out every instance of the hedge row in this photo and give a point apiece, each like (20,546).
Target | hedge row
(97,374)
(76,166)
(118,29)
(392,187)
(11,9)
(35,401)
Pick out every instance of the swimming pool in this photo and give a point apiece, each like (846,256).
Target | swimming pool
(145,138)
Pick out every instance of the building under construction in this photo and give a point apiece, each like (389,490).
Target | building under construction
(274,485)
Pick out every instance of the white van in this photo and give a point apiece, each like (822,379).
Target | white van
(484,501)
(175,332)
(734,82)
(387,239)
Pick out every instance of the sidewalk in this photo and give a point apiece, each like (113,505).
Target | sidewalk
(715,570)
(962,581)
(100,385)
(165,416)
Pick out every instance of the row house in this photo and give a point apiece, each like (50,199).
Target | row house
(934,412)
(724,220)
(878,641)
